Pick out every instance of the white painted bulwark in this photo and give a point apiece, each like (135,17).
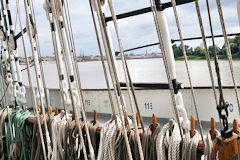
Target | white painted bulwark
(157,101)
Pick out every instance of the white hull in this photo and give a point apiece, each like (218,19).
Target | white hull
(157,101)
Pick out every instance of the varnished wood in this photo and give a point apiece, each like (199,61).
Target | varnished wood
(50,110)
(94,116)
(57,112)
(227,148)
(212,126)
(154,122)
(192,131)
(138,120)
(125,119)
(235,126)
(215,148)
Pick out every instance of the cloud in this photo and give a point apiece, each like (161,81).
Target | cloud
(134,31)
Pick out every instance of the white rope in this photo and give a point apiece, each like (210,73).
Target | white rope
(158,15)
(31,86)
(37,73)
(58,127)
(172,143)
(73,85)
(192,148)
(185,144)
(103,65)
(77,94)
(209,145)
(186,64)
(126,78)
(59,59)
(112,70)
(107,141)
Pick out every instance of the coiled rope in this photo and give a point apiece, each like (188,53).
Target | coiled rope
(169,142)
(209,145)
(107,141)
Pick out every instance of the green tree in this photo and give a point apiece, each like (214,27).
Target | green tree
(199,51)
(211,50)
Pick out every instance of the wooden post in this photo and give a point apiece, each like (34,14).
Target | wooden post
(235,126)
(94,117)
(154,122)
(57,112)
(138,120)
(50,110)
(212,126)
(125,119)
(192,131)
(41,111)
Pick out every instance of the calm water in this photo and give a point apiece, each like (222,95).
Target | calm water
(142,70)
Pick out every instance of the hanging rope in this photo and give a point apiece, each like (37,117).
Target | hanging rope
(228,50)
(160,38)
(59,59)
(71,69)
(113,72)
(127,77)
(103,65)
(187,67)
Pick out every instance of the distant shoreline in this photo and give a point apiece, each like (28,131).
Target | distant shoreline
(191,58)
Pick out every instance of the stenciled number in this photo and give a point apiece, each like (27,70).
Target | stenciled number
(87,102)
(148,105)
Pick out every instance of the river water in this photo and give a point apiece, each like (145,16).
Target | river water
(142,70)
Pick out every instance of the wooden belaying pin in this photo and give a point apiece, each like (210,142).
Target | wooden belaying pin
(125,119)
(138,120)
(212,126)
(41,111)
(50,110)
(154,122)
(192,132)
(94,117)
(235,126)
(57,112)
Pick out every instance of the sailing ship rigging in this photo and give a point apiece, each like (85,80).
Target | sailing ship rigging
(50,134)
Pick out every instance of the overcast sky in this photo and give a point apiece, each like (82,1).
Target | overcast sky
(134,31)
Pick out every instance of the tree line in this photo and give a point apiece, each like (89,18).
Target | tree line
(199,53)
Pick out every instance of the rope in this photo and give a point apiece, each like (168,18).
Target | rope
(171,143)
(71,72)
(107,141)
(216,61)
(18,120)
(228,50)
(127,77)
(187,67)
(160,38)
(31,86)
(149,142)
(3,131)
(185,144)
(35,55)
(209,145)
(206,49)
(103,65)
(59,61)
(58,127)
(113,71)
(92,131)
(192,148)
